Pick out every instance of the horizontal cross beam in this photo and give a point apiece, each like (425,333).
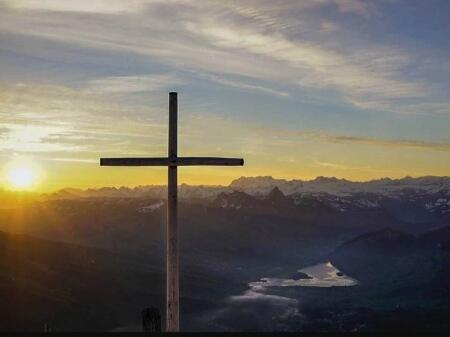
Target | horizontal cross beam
(178,161)
(162,161)
(188,161)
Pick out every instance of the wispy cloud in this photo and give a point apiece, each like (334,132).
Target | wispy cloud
(4,130)
(315,66)
(257,137)
(256,10)
(337,167)
(133,84)
(243,85)
(29,138)
(81,6)
(58,119)
(332,165)
(74,160)
(363,8)
(406,143)
(295,137)
(252,39)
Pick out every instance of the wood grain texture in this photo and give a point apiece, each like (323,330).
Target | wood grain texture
(213,161)
(172,272)
(173,161)
(157,161)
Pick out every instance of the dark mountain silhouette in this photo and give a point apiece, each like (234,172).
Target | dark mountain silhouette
(76,288)
(69,287)
(389,255)
(386,240)
(235,200)
(276,195)
(440,238)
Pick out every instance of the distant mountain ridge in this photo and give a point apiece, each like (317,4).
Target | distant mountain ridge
(263,185)
(342,187)
(410,200)
(154,191)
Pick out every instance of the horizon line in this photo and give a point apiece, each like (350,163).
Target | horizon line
(31,191)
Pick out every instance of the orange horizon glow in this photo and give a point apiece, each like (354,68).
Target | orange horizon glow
(95,177)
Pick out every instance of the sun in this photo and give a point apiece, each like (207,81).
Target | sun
(21,178)
(21,173)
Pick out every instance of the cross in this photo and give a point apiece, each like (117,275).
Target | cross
(172,161)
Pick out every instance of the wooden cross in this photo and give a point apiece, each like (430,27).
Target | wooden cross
(172,161)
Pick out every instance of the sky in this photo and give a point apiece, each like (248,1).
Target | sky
(299,89)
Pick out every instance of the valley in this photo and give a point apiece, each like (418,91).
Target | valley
(59,251)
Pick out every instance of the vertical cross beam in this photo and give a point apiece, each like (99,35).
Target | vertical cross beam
(172,275)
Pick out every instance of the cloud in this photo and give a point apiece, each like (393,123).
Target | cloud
(314,66)
(332,165)
(133,84)
(404,107)
(3,131)
(82,6)
(259,40)
(74,160)
(406,143)
(363,8)
(29,138)
(256,10)
(57,119)
(285,137)
(348,168)
(244,86)
(256,139)
(328,26)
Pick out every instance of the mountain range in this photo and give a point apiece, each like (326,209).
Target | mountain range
(260,186)
(390,235)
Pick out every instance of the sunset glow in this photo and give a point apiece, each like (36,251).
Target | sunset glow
(293,88)
(21,178)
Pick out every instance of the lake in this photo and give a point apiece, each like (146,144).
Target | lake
(319,275)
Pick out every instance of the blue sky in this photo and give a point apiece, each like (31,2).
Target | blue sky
(350,88)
